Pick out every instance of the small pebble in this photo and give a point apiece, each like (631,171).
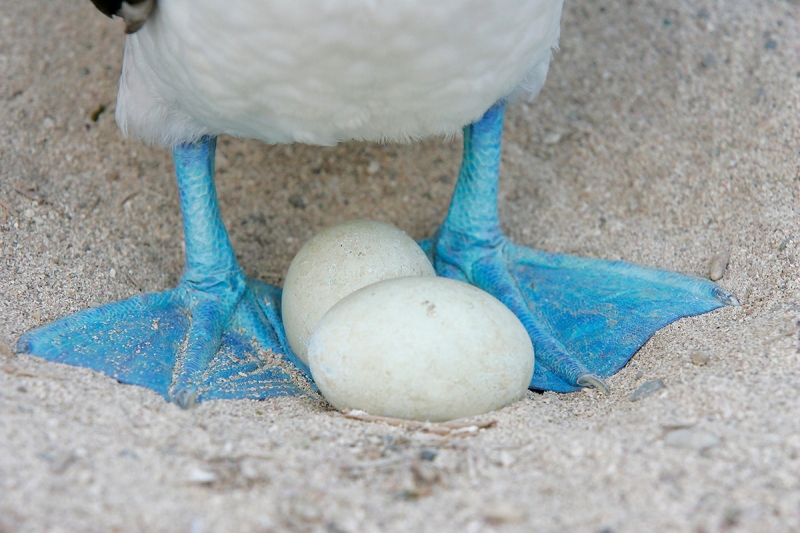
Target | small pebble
(693,439)
(97,112)
(732,516)
(646,389)
(503,513)
(719,263)
(503,458)
(553,138)
(700,358)
(427,455)
(201,477)
(297,201)
(771,45)
(62,462)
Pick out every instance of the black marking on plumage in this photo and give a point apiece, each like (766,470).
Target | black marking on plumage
(108,7)
(133,12)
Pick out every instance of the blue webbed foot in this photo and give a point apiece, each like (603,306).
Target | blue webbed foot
(217,335)
(586,317)
(181,343)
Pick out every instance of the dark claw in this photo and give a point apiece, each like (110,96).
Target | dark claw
(23,347)
(590,380)
(726,297)
(185,399)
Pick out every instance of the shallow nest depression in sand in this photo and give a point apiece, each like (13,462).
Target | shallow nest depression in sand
(667,132)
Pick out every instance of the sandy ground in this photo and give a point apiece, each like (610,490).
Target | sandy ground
(667,131)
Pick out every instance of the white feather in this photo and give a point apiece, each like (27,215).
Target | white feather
(323,71)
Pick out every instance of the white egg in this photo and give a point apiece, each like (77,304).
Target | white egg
(337,261)
(422,348)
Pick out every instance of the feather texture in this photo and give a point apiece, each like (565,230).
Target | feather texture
(323,71)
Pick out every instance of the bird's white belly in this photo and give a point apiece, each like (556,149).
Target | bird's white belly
(322,71)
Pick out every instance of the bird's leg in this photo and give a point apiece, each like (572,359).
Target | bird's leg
(212,281)
(216,335)
(586,317)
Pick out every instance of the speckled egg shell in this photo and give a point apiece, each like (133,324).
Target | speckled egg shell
(421,348)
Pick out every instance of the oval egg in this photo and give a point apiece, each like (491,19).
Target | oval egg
(337,261)
(421,348)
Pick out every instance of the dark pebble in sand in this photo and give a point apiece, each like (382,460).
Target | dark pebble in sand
(708,60)
(297,201)
(62,461)
(427,455)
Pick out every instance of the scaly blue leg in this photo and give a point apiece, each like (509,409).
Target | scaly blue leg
(216,335)
(586,317)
